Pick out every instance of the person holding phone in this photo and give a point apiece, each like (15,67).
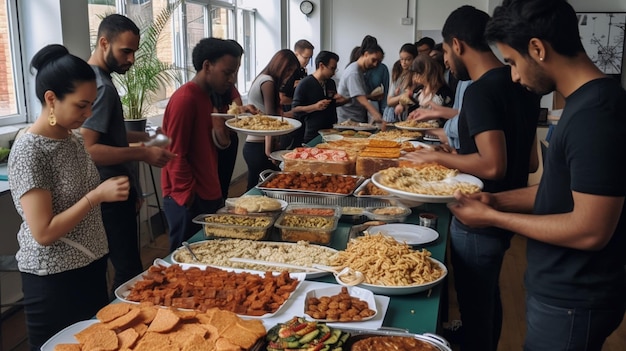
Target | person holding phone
(315,100)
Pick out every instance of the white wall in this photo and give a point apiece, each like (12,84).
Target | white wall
(350,21)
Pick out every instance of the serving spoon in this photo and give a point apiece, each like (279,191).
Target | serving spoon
(345,277)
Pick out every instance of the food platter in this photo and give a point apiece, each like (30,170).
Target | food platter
(409,289)
(354,291)
(410,234)
(417,129)
(278,154)
(419,144)
(66,336)
(124,290)
(356,126)
(431,138)
(218,254)
(295,124)
(461,177)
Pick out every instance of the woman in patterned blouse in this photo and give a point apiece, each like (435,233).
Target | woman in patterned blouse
(56,190)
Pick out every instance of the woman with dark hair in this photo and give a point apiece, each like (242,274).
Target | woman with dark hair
(377,77)
(353,86)
(402,84)
(264,94)
(428,77)
(56,190)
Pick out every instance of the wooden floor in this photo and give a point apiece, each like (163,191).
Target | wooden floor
(511,284)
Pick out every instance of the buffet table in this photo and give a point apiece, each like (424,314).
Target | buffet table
(417,313)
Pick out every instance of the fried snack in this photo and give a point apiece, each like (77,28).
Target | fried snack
(164,321)
(395,134)
(386,262)
(381,143)
(202,289)
(112,311)
(341,307)
(197,333)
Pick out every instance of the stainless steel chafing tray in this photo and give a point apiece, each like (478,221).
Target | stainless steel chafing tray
(266,177)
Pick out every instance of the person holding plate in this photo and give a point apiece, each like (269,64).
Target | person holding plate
(497,127)
(190,182)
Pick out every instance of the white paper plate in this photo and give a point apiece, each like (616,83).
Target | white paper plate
(461,177)
(360,293)
(66,336)
(406,290)
(123,290)
(295,124)
(411,234)
(309,275)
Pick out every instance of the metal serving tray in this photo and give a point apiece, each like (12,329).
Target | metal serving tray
(274,192)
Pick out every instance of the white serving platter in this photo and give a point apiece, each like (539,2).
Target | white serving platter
(123,290)
(461,177)
(411,234)
(295,124)
(409,289)
(354,291)
(309,275)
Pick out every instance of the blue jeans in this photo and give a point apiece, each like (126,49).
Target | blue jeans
(179,218)
(556,328)
(477,259)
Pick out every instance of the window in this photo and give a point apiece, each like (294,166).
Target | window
(194,20)
(12,105)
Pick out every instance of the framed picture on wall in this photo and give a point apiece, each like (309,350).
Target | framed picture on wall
(602,35)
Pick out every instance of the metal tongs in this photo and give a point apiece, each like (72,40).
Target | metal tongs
(193,255)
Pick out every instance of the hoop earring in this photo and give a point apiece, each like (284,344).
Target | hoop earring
(52,120)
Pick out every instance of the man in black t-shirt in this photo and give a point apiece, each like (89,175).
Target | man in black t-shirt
(315,99)
(575,280)
(304,51)
(497,127)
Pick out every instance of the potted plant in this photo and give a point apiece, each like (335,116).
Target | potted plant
(148,75)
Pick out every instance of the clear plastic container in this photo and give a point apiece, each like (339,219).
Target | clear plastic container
(314,228)
(389,214)
(228,225)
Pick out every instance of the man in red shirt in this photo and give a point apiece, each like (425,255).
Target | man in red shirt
(190,182)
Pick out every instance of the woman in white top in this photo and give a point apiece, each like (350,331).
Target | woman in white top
(264,94)
(56,190)
(402,83)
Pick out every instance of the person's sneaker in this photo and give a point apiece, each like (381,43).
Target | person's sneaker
(453,331)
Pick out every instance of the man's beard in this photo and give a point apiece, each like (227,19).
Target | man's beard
(460,70)
(114,66)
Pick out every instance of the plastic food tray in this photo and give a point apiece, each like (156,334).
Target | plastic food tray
(241,230)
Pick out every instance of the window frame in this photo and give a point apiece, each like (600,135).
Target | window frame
(19,69)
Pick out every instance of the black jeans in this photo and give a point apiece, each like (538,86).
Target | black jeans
(53,302)
(257,161)
(120,223)
(226,163)
(179,218)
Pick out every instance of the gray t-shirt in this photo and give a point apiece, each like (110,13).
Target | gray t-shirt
(64,168)
(255,97)
(108,120)
(351,85)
